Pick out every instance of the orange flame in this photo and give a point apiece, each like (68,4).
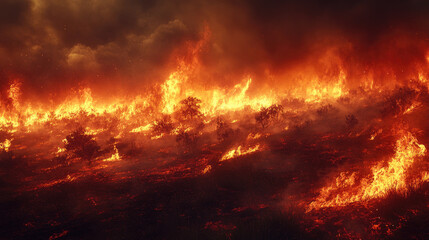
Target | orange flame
(239,151)
(5,145)
(347,189)
(207,169)
(115,156)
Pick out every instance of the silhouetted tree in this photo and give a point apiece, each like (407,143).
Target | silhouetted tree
(190,108)
(82,145)
(266,115)
(263,117)
(163,125)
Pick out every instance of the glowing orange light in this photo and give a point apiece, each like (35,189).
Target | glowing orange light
(347,189)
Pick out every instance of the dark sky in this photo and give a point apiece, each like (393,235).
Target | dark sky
(51,44)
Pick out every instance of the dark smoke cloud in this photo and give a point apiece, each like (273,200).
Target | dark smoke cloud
(57,44)
(390,36)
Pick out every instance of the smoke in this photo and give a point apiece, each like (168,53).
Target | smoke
(59,44)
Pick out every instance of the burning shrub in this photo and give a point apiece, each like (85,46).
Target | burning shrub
(82,145)
(163,125)
(186,140)
(266,115)
(190,108)
(399,101)
(223,131)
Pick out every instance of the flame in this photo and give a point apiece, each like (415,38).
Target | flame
(115,156)
(90,131)
(14,93)
(253,136)
(157,136)
(215,101)
(178,86)
(222,101)
(347,189)
(411,108)
(145,128)
(172,89)
(315,90)
(239,151)
(6,145)
(374,135)
(175,88)
(123,117)
(60,150)
(68,178)
(207,169)
(28,116)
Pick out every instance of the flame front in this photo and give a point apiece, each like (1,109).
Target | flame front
(347,188)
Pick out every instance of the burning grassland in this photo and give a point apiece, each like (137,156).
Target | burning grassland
(185,129)
(324,166)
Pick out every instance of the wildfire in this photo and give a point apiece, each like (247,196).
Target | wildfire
(68,178)
(14,93)
(60,150)
(214,102)
(319,92)
(221,101)
(172,89)
(411,108)
(115,156)
(240,151)
(207,169)
(5,145)
(142,128)
(347,188)
(217,119)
